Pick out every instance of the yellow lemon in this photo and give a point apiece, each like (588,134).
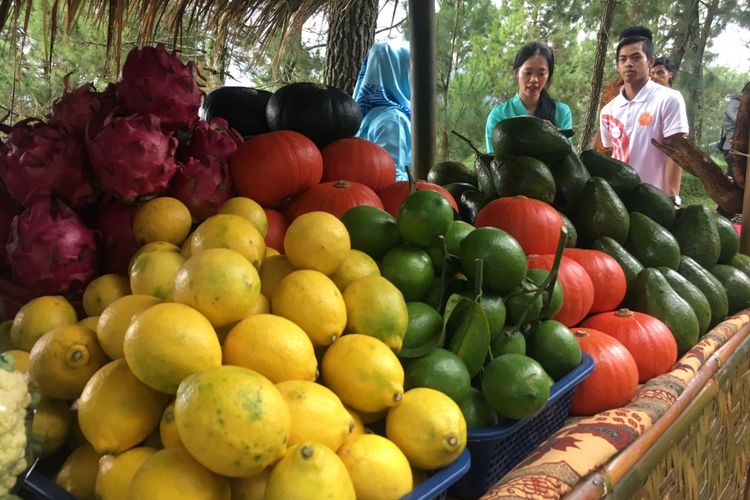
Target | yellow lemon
(310,299)
(220,283)
(232,420)
(372,417)
(153,273)
(116,472)
(20,359)
(250,488)
(37,317)
(247,209)
(271,251)
(274,269)
(186,343)
(317,414)
(63,360)
(101,291)
(363,372)
(317,240)
(359,424)
(231,232)
(309,471)
(170,437)
(78,473)
(75,436)
(115,320)
(356,265)
(262,306)
(52,422)
(116,411)
(375,307)
(155,246)
(162,219)
(172,474)
(89,322)
(428,427)
(272,346)
(377,467)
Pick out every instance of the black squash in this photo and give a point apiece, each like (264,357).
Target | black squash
(244,108)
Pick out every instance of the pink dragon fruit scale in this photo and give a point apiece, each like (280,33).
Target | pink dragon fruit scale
(131,156)
(8,209)
(154,81)
(114,223)
(203,186)
(50,250)
(75,108)
(210,139)
(40,159)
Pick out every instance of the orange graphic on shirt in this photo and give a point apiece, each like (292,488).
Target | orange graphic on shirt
(645,119)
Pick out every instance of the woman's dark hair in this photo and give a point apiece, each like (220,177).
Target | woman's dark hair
(546,107)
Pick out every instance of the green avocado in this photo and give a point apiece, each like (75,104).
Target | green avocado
(570,176)
(629,264)
(692,296)
(523,175)
(709,285)
(651,244)
(652,201)
(600,213)
(622,177)
(737,285)
(449,171)
(530,136)
(728,238)
(695,231)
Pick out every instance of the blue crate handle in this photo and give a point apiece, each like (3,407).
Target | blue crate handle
(42,487)
(437,484)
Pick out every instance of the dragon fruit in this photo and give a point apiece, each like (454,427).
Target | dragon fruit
(114,223)
(39,160)
(50,250)
(203,186)
(211,139)
(75,108)
(131,156)
(8,210)
(154,81)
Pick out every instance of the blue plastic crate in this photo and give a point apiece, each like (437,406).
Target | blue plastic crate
(436,486)
(496,450)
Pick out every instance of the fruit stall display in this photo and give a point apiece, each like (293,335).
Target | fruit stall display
(258,306)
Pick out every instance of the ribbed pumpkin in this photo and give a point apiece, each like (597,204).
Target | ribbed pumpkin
(533,223)
(270,168)
(578,290)
(606,274)
(358,160)
(648,339)
(614,380)
(335,198)
(277,225)
(395,194)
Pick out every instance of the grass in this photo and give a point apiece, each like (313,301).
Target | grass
(692,192)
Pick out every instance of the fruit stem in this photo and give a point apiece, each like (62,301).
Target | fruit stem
(306,451)
(410,177)
(480,277)
(441,295)
(341,184)
(624,313)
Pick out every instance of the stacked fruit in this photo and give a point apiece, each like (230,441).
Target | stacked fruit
(218,364)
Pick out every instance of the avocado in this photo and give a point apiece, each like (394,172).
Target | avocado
(449,171)
(470,203)
(629,264)
(737,285)
(709,285)
(482,169)
(695,231)
(572,240)
(728,238)
(622,177)
(570,177)
(741,262)
(523,175)
(652,201)
(651,294)
(457,188)
(530,136)
(692,296)
(651,244)
(600,213)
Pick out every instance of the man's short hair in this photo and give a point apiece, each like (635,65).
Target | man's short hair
(635,31)
(646,45)
(663,61)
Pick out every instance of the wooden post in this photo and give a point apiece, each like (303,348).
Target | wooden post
(422,46)
(745,235)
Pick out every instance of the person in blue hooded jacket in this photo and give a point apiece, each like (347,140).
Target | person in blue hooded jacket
(383,94)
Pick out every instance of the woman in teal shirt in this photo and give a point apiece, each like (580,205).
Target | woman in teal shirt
(532,69)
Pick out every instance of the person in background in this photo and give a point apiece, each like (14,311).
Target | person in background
(383,94)
(725,143)
(662,71)
(641,111)
(533,69)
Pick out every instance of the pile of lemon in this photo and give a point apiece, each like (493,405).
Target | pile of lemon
(220,368)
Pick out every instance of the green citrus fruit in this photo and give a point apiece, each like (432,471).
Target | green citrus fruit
(371,230)
(440,370)
(424,215)
(555,347)
(494,309)
(519,299)
(538,276)
(508,342)
(504,264)
(516,386)
(410,269)
(425,323)
(476,410)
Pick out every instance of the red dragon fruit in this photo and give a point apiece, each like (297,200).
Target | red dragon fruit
(40,160)
(211,139)
(8,210)
(154,81)
(203,186)
(114,223)
(131,156)
(75,108)
(50,250)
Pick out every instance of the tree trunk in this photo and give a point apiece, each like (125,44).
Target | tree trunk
(351,31)
(696,94)
(445,85)
(602,37)
(683,33)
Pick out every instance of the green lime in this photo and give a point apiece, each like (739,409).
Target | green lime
(457,231)
(371,230)
(516,386)
(555,347)
(476,410)
(425,323)
(409,269)
(453,284)
(538,276)
(424,215)
(440,370)
(508,342)
(494,309)
(521,298)
(504,264)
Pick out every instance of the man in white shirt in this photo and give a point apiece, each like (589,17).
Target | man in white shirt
(643,110)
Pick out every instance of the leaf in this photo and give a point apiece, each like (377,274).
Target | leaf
(470,341)
(421,350)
